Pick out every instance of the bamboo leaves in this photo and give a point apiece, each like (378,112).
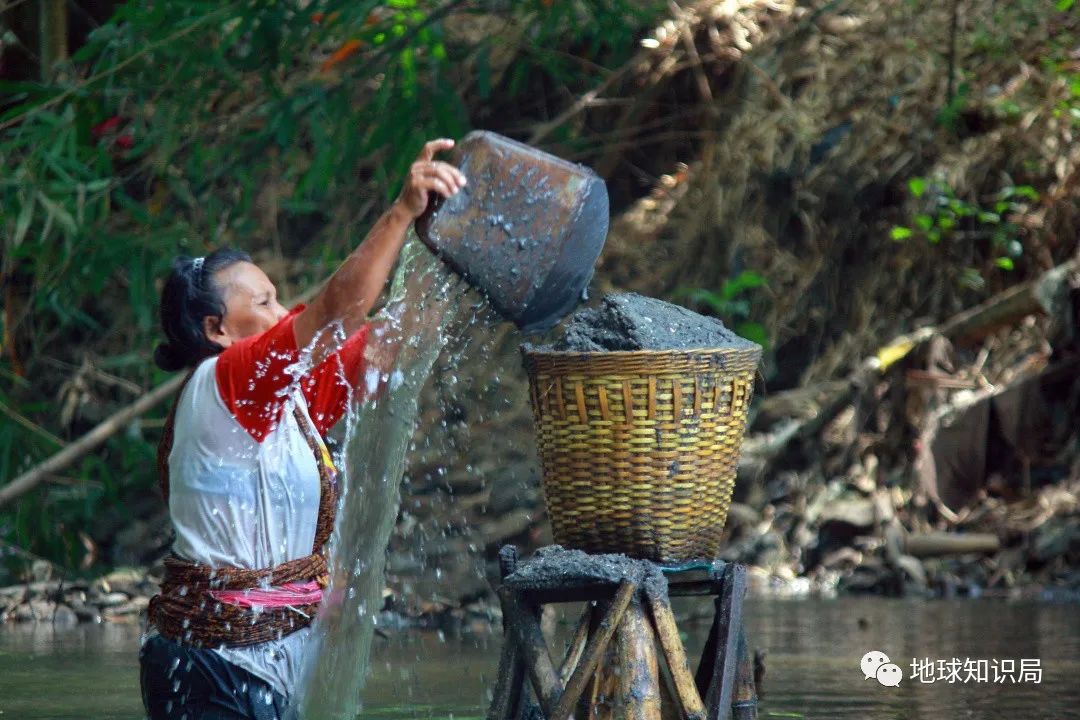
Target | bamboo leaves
(26,214)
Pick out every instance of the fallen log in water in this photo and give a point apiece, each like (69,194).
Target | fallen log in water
(945,543)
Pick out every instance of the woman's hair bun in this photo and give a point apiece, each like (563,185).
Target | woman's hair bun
(168,359)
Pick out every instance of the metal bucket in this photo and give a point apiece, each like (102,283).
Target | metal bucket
(526,231)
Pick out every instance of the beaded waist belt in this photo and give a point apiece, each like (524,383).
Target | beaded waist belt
(205,606)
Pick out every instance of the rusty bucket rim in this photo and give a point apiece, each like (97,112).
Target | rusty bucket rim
(499,139)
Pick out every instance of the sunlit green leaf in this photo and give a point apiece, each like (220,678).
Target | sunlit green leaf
(917,186)
(1025,191)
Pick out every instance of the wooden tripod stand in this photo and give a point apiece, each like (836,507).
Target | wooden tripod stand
(611,670)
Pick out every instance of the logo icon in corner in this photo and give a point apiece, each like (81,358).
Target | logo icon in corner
(876,664)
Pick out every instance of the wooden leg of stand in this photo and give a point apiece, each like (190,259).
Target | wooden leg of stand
(524,626)
(668,633)
(577,644)
(506,701)
(584,710)
(594,650)
(708,654)
(744,697)
(605,686)
(670,707)
(639,676)
(717,669)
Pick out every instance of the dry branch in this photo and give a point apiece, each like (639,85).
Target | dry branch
(76,450)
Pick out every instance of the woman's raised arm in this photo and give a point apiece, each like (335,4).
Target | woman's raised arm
(352,290)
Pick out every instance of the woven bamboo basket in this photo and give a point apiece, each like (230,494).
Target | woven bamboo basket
(640,448)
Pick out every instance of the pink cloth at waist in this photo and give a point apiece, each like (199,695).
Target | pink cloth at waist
(280,596)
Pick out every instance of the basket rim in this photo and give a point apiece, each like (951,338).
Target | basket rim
(749,347)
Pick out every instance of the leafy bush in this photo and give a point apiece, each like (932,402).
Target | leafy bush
(947,218)
(731,303)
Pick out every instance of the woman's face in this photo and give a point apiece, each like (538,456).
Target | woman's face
(251,304)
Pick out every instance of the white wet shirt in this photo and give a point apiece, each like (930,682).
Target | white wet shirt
(244,484)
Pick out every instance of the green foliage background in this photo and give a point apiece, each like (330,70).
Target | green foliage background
(233,124)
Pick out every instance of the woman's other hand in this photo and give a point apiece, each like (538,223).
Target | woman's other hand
(428,175)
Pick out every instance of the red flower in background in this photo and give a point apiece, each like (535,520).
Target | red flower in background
(107,131)
(106,127)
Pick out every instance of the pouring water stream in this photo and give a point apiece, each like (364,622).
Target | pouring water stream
(408,336)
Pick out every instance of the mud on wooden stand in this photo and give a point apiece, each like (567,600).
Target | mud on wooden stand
(625,659)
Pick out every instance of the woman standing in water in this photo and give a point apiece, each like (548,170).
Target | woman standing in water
(250,486)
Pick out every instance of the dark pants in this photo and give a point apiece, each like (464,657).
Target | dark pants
(180,682)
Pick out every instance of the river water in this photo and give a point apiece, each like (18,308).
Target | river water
(813,651)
